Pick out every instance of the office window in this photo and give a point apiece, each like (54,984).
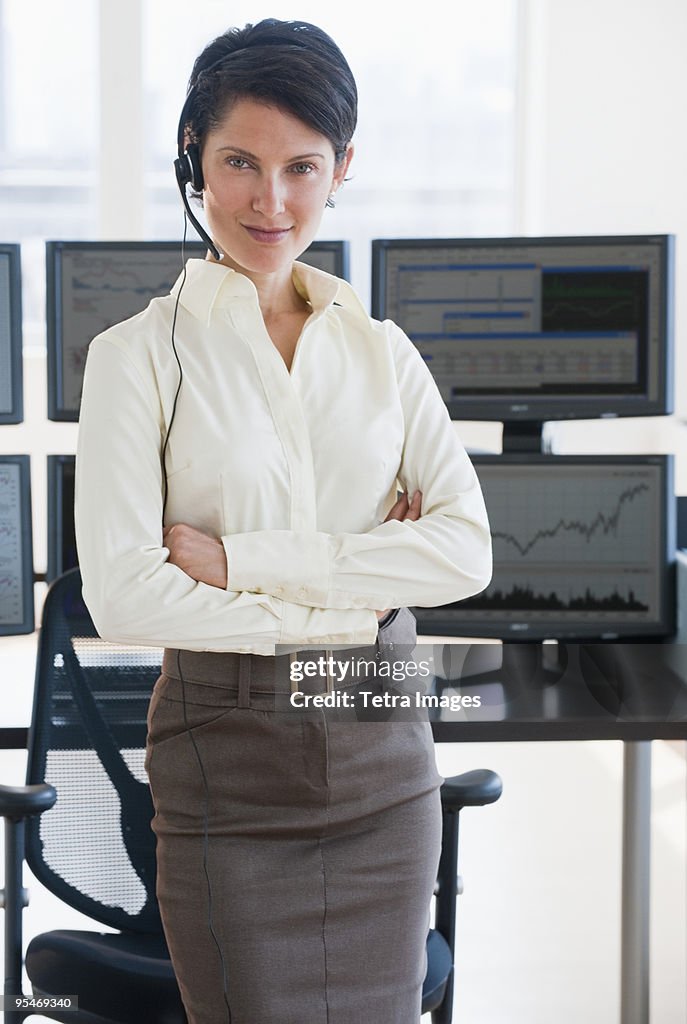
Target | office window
(435,140)
(48,130)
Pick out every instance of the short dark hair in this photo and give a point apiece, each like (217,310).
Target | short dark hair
(292,65)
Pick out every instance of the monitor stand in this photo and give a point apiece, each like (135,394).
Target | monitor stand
(523,436)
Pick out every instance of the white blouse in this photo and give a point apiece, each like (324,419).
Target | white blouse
(294,471)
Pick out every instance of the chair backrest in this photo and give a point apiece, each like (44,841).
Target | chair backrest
(95,848)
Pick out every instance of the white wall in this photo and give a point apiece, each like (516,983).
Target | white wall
(603,150)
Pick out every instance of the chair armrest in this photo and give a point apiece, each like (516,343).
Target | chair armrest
(471,789)
(17,802)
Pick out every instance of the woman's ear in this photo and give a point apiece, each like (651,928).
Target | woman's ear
(341,168)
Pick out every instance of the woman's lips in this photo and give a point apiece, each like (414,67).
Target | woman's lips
(271,236)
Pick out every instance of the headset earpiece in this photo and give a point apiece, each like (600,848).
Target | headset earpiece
(188,168)
(195,168)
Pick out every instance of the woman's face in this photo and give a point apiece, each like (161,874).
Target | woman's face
(267,179)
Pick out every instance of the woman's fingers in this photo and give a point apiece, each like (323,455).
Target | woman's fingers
(405,509)
(415,507)
(399,509)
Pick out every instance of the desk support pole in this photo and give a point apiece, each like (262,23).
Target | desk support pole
(634,980)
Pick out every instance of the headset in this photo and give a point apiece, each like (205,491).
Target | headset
(188,166)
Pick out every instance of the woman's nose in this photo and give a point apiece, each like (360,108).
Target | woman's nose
(269,196)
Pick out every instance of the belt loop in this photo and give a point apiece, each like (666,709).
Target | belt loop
(293,656)
(244,681)
(329,654)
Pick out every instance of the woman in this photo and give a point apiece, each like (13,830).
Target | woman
(239,450)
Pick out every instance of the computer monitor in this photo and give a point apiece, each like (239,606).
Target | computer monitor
(16,548)
(332,257)
(584,548)
(61,533)
(525,330)
(90,287)
(93,285)
(11,392)
(681,502)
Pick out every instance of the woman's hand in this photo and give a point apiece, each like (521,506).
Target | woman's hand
(200,556)
(404,511)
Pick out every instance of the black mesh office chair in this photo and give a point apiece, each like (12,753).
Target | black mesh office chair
(82,823)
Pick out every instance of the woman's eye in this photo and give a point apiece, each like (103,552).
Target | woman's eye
(303,168)
(237,161)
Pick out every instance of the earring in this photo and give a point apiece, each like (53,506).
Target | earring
(330,201)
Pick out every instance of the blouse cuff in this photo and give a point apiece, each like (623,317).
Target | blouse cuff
(309,626)
(291,566)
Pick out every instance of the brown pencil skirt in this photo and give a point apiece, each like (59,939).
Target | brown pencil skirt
(297,850)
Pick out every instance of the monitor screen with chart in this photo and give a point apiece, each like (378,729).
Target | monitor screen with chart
(11,395)
(584,547)
(93,285)
(90,287)
(16,549)
(535,329)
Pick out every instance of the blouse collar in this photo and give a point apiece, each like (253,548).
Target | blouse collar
(209,286)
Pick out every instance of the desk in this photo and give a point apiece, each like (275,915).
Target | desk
(616,691)
(13,737)
(613,691)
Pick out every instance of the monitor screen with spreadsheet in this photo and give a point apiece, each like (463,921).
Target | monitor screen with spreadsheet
(535,329)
